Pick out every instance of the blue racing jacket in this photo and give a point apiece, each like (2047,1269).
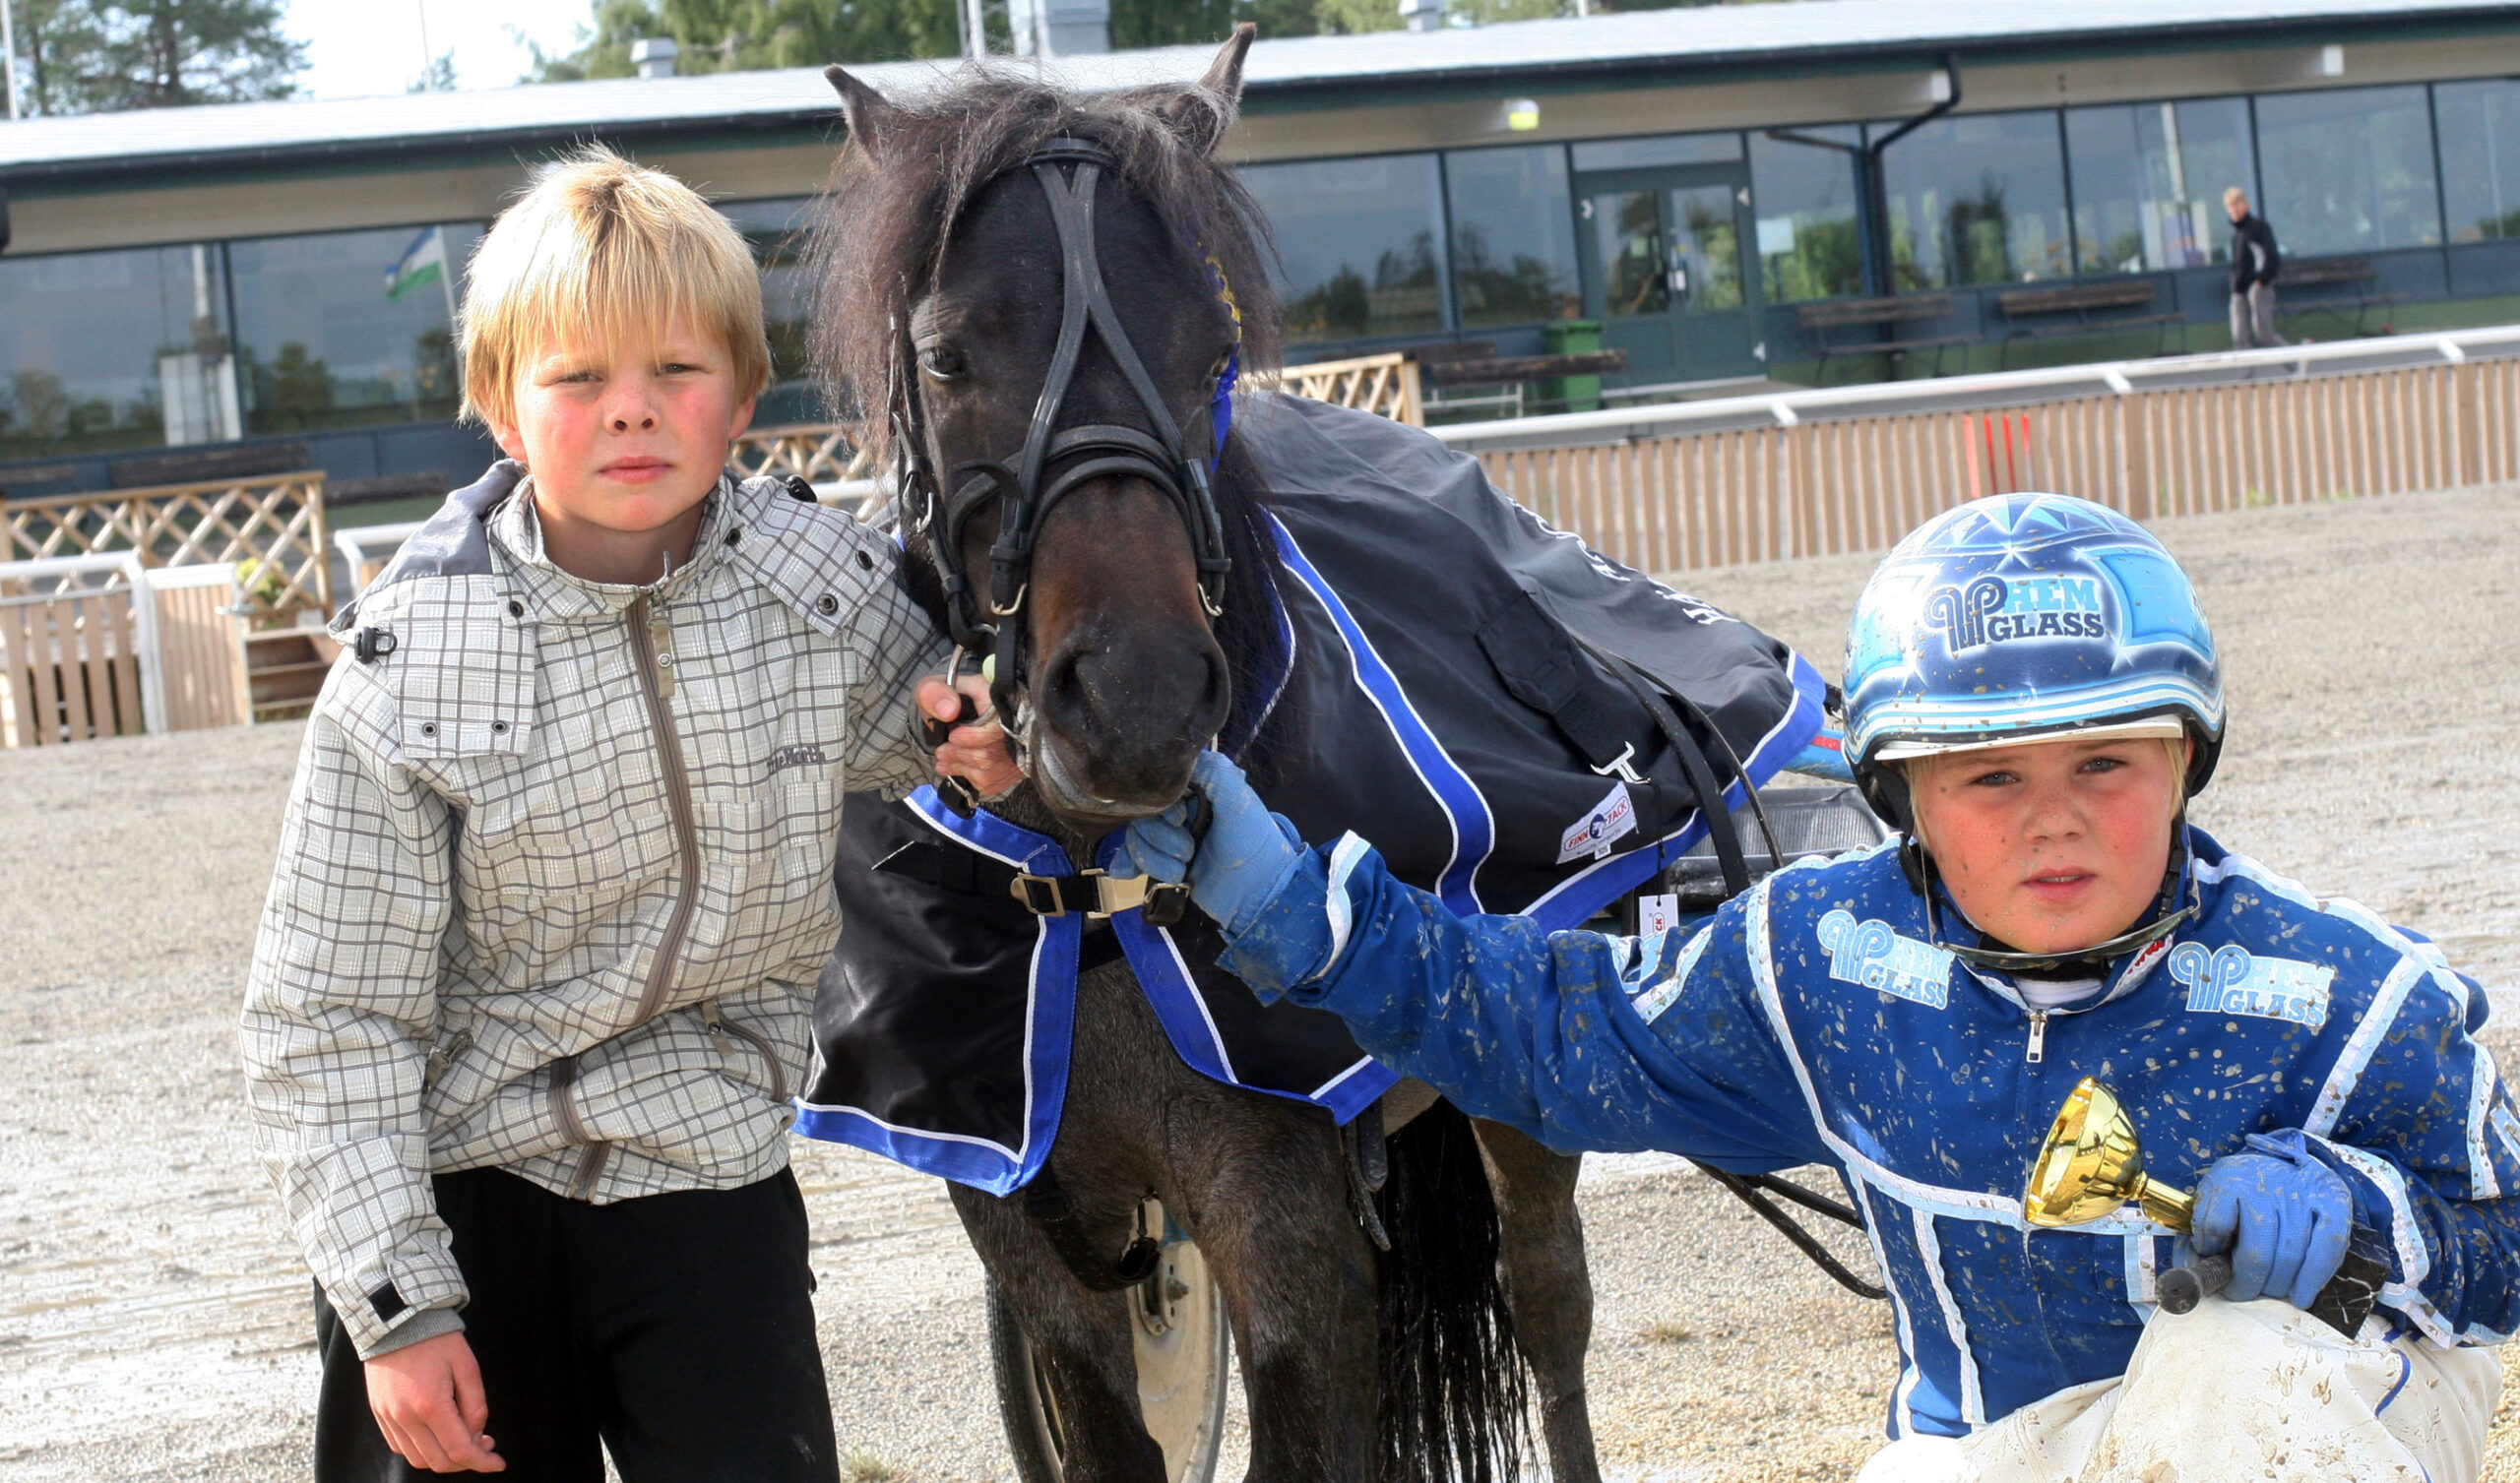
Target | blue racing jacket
(1813,1021)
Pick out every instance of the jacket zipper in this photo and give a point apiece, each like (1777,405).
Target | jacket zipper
(651,642)
(564,1111)
(720,1028)
(2038,1036)
(649,645)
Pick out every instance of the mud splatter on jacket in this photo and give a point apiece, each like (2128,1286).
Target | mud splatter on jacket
(1812,1021)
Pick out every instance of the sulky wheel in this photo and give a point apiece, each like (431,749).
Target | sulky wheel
(1177,1318)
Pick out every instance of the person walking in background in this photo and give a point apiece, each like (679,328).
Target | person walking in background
(2255,263)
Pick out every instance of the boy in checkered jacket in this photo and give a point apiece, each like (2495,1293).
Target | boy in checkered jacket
(556,886)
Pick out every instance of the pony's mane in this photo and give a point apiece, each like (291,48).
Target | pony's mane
(883,233)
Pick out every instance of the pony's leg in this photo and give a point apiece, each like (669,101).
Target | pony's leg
(1266,1191)
(1083,1336)
(1542,1251)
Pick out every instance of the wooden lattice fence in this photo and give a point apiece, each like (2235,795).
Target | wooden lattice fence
(1389,385)
(819,453)
(270,528)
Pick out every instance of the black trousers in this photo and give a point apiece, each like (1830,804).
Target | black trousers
(677,1328)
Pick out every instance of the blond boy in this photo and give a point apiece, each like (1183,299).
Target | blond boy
(555,889)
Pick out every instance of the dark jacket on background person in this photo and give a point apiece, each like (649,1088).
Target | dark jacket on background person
(2254,259)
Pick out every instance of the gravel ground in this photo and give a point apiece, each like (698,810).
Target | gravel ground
(153,1319)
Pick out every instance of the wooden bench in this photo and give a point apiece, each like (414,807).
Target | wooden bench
(204,466)
(1503,370)
(2094,307)
(1818,318)
(2355,282)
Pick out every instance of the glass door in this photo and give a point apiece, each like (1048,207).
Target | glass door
(1666,274)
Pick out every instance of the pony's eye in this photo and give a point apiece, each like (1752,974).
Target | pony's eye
(943,362)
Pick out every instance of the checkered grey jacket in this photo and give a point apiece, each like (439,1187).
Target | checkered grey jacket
(555,880)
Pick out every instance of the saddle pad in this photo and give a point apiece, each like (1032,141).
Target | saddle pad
(1431,701)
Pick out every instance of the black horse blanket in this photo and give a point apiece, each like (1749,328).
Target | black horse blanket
(1437,703)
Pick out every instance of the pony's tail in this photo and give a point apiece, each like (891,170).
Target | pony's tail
(1452,1387)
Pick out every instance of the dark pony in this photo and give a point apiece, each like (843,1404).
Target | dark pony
(940,299)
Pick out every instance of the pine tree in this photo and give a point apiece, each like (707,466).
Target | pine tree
(96,56)
(56,40)
(734,35)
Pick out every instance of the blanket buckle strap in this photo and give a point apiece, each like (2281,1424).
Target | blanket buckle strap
(1622,766)
(1039,894)
(1159,903)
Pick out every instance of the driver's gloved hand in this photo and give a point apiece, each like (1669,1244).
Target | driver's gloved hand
(2283,1216)
(1236,865)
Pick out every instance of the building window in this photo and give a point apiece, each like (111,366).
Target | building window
(2149,182)
(115,349)
(1513,246)
(2348,171)
(1359,244)
(1977,199)
(349,329)
(777,231)
(2481,158)
(1667,149)
(1803,189)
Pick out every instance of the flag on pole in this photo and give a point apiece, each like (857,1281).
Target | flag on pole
(424,262)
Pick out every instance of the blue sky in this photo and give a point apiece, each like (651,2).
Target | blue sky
(358,48)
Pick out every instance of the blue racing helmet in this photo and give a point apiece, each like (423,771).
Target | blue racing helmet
(2021,616)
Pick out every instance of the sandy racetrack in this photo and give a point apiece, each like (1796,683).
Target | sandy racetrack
(154,1315)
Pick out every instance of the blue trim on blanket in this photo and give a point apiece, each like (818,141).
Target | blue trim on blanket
(1473,828)
(1050,1024)
(1574,900)
(1156,959)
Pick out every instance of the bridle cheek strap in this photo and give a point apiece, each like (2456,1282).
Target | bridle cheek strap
(1073,457)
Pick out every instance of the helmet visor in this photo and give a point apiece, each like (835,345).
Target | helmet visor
(2165,728)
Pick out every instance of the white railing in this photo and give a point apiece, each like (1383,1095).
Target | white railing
(1852,468)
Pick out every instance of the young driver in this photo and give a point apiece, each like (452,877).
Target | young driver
(555,889)
(2031,697)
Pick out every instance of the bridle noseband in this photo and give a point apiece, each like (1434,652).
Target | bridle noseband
(1056,461)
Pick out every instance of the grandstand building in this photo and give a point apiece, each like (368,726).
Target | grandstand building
(1833,188)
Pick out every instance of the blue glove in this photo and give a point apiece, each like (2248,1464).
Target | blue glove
(1240,862)
(2283,1216)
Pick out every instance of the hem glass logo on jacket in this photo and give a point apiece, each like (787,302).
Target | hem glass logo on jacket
(1993,610)
(1870,953)
(2230,981)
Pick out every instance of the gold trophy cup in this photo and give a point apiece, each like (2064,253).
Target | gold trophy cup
(2092,1164)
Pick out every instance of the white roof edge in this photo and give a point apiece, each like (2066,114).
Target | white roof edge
(1808,28)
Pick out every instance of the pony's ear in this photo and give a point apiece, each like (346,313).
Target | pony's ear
(1225,75)
(870,114)
(1205,112)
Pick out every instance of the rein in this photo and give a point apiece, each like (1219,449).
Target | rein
(1055,461)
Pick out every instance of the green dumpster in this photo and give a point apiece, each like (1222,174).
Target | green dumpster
(1572,394)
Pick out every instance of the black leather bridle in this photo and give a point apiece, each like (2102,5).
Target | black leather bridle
(1055,461)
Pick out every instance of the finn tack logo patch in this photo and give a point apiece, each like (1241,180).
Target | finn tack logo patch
(1870,953)
(1595,832)
(803,755)
(2230,981)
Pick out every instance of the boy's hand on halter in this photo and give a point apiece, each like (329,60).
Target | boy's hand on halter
(429,1404)
(2285,1217)
(975,751)
(1235,867)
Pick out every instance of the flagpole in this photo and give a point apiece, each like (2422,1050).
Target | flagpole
(446,280)
(9,54)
